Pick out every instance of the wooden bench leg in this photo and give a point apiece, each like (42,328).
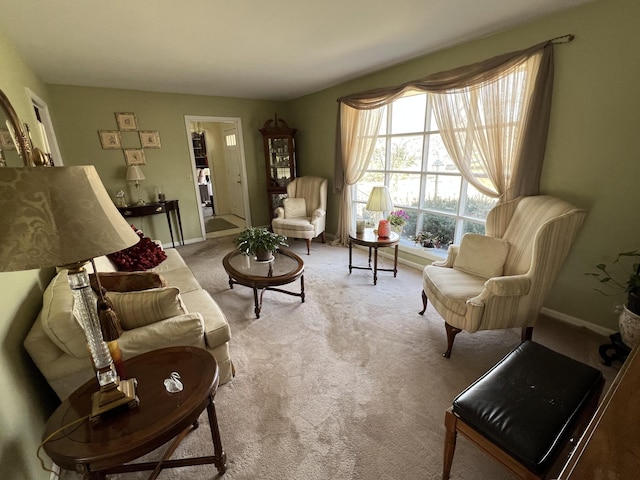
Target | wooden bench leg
(450,421)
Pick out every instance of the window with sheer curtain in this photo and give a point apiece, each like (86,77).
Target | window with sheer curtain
(449,146)
(411,159)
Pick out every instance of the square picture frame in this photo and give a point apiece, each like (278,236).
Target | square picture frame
(6,140)
(126,121)
(110,139)
(134,156)
(149,138)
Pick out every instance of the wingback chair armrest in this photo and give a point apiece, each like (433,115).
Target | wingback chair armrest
(279,212)
(509,286)
(319,212)
(452,253)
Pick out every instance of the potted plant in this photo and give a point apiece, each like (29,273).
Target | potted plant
(627,282)
(424,239)
(398,219)
(259,242)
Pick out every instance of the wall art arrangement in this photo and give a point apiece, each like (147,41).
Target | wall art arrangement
(129,139)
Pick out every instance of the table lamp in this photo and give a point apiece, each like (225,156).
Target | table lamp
(64,217)
(380,201)
(134,174)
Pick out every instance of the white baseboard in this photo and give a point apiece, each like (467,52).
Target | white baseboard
(578,322)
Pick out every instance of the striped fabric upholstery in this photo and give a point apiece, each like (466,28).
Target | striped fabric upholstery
(540,231)
(314,191)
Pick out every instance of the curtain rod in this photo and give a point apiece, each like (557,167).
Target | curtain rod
(563,38)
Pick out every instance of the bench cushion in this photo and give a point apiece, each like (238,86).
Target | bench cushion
(528,402)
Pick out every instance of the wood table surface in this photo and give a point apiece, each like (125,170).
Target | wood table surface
(96,449)
(610,447)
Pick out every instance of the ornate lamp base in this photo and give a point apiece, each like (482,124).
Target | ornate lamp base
(115,395)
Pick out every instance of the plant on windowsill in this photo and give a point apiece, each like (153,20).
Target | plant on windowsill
(627,282)
(259,242)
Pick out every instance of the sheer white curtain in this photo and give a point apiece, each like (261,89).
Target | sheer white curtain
(483,126)
(359,132)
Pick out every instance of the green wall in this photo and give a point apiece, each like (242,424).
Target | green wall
(592,152)
(26,399)
(79,112)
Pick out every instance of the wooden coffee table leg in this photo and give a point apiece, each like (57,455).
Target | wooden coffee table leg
(302,288)
(220,458)
(257,303)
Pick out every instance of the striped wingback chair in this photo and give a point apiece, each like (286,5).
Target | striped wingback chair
(304,211)
(501,280)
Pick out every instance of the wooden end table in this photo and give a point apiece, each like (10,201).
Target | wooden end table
(98,449)
(285,268)
(373,241)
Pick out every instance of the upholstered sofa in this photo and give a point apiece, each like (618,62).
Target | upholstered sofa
(57,344)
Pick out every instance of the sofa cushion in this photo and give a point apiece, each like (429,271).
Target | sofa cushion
(142,256)
(184,330)
(216,327)
(58,320)
(127,281)
(136,309)
(295,207)
(481,255)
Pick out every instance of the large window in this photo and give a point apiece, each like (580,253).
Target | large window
(411,159)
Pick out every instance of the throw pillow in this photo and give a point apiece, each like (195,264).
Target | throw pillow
(136,309)
(127,281)
(294,207)
(142,256)
(481,255)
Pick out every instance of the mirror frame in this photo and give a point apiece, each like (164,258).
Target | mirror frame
(23,145)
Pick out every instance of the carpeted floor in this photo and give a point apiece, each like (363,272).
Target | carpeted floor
(350,384)
(217,225)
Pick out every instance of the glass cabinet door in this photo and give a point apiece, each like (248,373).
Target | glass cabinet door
(280,160)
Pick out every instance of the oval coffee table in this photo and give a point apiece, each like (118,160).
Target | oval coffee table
(286,267)
(104,447)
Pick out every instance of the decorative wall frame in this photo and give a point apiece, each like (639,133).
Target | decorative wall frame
(134,156)
(126,121)
(110,139)
(149,138)
(6,140)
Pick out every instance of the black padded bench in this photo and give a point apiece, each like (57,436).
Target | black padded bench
(523,411)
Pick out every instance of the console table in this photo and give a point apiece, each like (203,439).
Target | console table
(154,209)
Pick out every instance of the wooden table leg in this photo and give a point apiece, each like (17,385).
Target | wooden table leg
(350,257)
(375,264)
(395,262)
(258,303)
(302,288)
(220,460)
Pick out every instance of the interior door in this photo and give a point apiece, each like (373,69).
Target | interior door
(233,170)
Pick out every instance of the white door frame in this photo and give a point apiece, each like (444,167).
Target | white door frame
(45,117)
(188,120)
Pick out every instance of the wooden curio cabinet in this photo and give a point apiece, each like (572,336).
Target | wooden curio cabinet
(280,160)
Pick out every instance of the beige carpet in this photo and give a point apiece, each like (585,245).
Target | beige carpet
(350,384)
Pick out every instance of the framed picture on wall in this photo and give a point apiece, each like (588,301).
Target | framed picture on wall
(110,139)
(134,156)
(126,121)
(149,138)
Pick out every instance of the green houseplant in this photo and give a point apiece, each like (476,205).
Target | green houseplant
(259,242)
(623,276)
(627,281)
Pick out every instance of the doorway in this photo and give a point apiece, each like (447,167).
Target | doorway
(219,173)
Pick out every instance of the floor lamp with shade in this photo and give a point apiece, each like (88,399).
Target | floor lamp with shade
(64,217)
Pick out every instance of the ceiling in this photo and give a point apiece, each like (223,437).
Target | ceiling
(271,50)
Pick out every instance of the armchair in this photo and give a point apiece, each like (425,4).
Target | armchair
(501,280)
(304,211)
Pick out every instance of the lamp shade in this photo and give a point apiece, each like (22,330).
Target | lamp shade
(57,216)
(380,200)
(134,173)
